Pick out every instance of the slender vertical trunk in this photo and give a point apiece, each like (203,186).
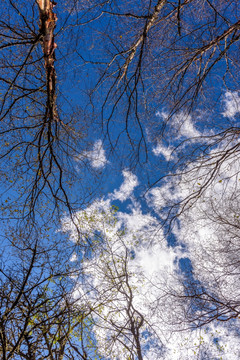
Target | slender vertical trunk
(47,25)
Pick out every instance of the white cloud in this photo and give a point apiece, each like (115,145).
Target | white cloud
(133,253)
(96,156)
(208,226)
(135,220)
(208,229)
(127,188)
(107,283)
(74,257)
(156,260)
(160,149)
(152,275)
(163,114)
(182,124)
(85,222)
(231,104)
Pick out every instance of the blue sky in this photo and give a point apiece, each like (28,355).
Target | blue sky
(133,236)
(143,151)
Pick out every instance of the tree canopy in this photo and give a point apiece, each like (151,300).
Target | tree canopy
(119,163)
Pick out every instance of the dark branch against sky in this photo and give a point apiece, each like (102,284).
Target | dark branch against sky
(119,163)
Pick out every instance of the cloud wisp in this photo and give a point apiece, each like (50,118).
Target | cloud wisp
(133,275)
(231,101)
(96,156)
(126,189)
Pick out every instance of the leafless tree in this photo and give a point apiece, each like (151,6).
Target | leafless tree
(39,137)
(130,60)
(169,49)
(39,318)
(149,55)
